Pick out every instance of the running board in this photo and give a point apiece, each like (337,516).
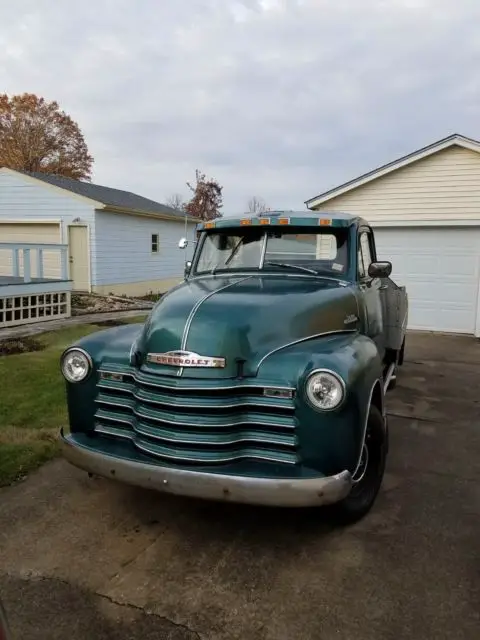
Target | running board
(389,377)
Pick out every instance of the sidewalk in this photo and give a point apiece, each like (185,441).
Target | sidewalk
(52,325)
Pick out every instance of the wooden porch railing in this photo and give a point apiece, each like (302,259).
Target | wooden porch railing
(27,251)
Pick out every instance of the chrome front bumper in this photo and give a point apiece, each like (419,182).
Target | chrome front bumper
(212,486)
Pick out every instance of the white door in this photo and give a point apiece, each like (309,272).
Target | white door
(441,269)
(78,257)
(31,232)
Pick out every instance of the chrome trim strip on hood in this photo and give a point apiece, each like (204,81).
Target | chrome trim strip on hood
(290,344)
(198,304)
(194,310)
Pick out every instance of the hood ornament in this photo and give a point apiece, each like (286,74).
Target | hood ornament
(350,319)
(186,359)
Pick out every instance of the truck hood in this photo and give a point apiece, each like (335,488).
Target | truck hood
(242,317)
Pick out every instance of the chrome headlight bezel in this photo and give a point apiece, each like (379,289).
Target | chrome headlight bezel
(85,356)
(332,376)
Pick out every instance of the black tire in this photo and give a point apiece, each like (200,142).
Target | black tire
(401,354)
(369,477)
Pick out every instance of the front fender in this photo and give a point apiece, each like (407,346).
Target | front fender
(330,441)
(109,346)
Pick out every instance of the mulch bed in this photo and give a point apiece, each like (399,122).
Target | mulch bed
(109,323)
(20,345)
(83,304)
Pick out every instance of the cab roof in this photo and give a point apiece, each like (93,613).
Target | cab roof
(282,218)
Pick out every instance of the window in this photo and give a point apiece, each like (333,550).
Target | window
(155,243)
(317,250)
(304,246)
(364,254)
(225,251)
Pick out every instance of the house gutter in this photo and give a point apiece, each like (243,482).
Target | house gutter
(147,214)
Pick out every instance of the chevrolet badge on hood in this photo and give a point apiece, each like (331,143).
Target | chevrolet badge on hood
(185,359)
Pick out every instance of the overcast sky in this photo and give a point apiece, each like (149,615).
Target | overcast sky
(282,99)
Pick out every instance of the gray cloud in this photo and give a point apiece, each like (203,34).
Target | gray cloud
(277,98)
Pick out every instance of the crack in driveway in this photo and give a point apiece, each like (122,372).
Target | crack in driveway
(404,416)
(46,596)
(149,612)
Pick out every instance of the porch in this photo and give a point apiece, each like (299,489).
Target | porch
(34,283)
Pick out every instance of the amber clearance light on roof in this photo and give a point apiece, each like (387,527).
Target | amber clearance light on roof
(264,221)
(245,221)
(284,221)
(324,221)
(209,225)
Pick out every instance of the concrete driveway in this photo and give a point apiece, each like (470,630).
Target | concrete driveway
(91,559)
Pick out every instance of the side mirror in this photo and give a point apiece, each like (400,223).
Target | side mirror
(183,243)
(188,266)
(380,269)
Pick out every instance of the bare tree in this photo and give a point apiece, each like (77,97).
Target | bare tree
(257,205)
(35,135)
(207,199)
(175,201)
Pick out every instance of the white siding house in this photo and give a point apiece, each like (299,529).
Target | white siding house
(124,257)
(118,242)
(425,210)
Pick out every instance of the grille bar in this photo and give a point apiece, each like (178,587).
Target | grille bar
(173,398)
(207,422)
(200,436)
(185,384)
(199,418)
(194,455)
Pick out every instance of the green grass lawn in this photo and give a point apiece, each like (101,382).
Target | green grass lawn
(32,402)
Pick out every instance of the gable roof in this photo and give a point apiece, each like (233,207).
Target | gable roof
(110,198)
(454,140)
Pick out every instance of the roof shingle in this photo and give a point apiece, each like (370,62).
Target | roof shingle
(107,196)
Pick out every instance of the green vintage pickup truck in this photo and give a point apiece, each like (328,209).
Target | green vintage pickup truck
(260,379)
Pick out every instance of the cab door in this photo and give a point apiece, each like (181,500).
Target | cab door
(370,300)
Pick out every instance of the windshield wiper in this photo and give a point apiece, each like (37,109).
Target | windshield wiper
(292,266)
(234,252)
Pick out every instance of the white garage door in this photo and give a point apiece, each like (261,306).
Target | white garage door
(441,270)
(45,233)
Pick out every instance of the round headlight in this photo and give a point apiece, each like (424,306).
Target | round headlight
(76,365)
(325,390)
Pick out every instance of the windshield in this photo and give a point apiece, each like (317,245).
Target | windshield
(304,250)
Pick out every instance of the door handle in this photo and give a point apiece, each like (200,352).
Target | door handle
(383,286)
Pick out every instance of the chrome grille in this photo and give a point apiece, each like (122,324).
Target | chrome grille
(196,422)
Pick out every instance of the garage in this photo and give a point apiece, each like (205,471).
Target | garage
(31,232)
(425,211)
(441,269)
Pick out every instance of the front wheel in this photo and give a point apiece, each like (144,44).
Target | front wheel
(368,477)
(401,354)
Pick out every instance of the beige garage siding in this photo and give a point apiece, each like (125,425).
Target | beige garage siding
(37,233)
(441,187)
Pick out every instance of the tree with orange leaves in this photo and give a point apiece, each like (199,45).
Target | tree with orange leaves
(35,135)
(207,199)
